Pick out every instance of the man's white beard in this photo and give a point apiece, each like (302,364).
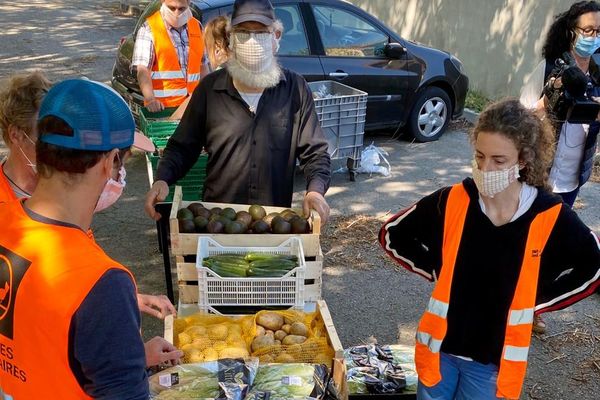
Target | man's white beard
(266,79)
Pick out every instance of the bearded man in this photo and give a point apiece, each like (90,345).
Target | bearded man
(254,119)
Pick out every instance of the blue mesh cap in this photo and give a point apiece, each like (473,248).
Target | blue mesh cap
(98,115)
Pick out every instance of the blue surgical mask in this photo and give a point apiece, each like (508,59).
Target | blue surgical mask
(586,46)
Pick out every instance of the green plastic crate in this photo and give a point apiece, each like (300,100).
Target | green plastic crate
(192,184)
(156,125)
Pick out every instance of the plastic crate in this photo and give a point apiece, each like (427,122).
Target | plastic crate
(215,291)
(192,183)
(342,117)
(157,126)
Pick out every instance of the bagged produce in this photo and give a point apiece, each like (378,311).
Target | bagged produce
(290,336)
(289,381)
(208,337)
(226,379)
(375,369)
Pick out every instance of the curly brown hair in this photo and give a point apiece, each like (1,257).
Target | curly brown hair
(532,135)
(215,36)
(20,99)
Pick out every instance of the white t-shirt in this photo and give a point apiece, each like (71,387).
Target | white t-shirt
(251,99)
(564,175)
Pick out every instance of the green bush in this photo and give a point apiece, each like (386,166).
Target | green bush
(476,101)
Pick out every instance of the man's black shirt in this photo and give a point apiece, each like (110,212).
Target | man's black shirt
(251,158)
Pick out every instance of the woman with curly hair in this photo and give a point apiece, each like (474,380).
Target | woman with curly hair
(500,248)
(573,37)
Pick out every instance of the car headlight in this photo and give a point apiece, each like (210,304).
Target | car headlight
(458,64)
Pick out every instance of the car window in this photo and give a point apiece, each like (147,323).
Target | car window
(344,33)
(294,41)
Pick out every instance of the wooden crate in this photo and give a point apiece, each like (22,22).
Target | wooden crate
(183,244)
(339,366)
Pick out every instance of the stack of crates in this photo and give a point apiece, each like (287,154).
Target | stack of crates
(159,128)
(342,112)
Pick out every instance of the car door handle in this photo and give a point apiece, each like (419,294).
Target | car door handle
(338,74)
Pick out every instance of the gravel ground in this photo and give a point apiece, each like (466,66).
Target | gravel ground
(367,294)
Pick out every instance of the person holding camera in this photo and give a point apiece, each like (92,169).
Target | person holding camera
(572,79)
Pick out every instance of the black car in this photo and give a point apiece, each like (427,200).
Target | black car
(408,84)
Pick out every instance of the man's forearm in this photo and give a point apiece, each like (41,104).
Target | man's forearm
(145,82)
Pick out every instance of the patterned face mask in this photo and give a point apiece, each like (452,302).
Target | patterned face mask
(490,183)
(253,50)
(111,192)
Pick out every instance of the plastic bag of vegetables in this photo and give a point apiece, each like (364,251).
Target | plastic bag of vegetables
(289,381)
(227,379)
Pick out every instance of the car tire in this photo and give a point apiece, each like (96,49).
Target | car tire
(430,115)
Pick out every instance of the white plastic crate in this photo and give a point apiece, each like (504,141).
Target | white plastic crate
(342,117)
(216,291)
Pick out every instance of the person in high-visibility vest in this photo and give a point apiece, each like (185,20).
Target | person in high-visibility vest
(168,55)
(69,317)
(20,100)
(501,248)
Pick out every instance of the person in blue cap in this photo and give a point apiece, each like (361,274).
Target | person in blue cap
(69,317)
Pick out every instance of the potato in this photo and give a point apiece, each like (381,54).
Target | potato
(196,330)
(195,357)
(260,342)
(266,359)
(277,342)
(299,329)
(259,330)
(279,335)
(234,352)
(293,339)
(201,342)
(288,320)
(284,358)
(269,332)
(217,332)
(211,355)
(234,337)
(183,339)
(235,329)
(219,345)
(286,328)
(270,320)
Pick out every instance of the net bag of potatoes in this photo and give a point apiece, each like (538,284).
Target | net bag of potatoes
(290,337)
(208,337)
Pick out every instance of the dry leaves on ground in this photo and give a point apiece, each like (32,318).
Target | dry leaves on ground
(352,241)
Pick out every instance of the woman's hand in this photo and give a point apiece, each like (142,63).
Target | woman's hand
(157,306)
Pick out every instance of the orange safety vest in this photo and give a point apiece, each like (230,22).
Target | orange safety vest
(170,85)
(46,271)
(6,191)
(433,325)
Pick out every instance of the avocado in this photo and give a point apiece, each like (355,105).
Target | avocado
(260,226)
(257,212)
(269,217)
(200,223)
(299,225)
(216,210)
(288,214)
(245,217)
(186,226)
(235,227)
(228,213)
(195,208)
(184,213)
(280,225)
(215,226)
(203,212)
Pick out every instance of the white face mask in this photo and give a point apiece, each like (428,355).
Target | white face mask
(29,163)
(490,183)
(253,51)
(111,192)
(176,21)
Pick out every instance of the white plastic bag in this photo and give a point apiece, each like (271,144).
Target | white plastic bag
(372,160)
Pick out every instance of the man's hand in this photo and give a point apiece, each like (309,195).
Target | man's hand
(159,351)
(153,105)
(158,192)
(316,201)
(157,306)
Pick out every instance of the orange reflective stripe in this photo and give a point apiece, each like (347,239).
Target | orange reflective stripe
(433,325)
(169,83)
(513,364)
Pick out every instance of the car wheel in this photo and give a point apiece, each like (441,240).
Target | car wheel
(430,115)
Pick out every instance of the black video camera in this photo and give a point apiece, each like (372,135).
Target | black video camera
(570,101)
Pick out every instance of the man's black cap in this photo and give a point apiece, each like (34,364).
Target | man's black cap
(253,10)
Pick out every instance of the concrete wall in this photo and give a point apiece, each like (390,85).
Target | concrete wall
(498,41)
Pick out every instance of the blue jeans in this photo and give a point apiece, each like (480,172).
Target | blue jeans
(569,197)
(461,380)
